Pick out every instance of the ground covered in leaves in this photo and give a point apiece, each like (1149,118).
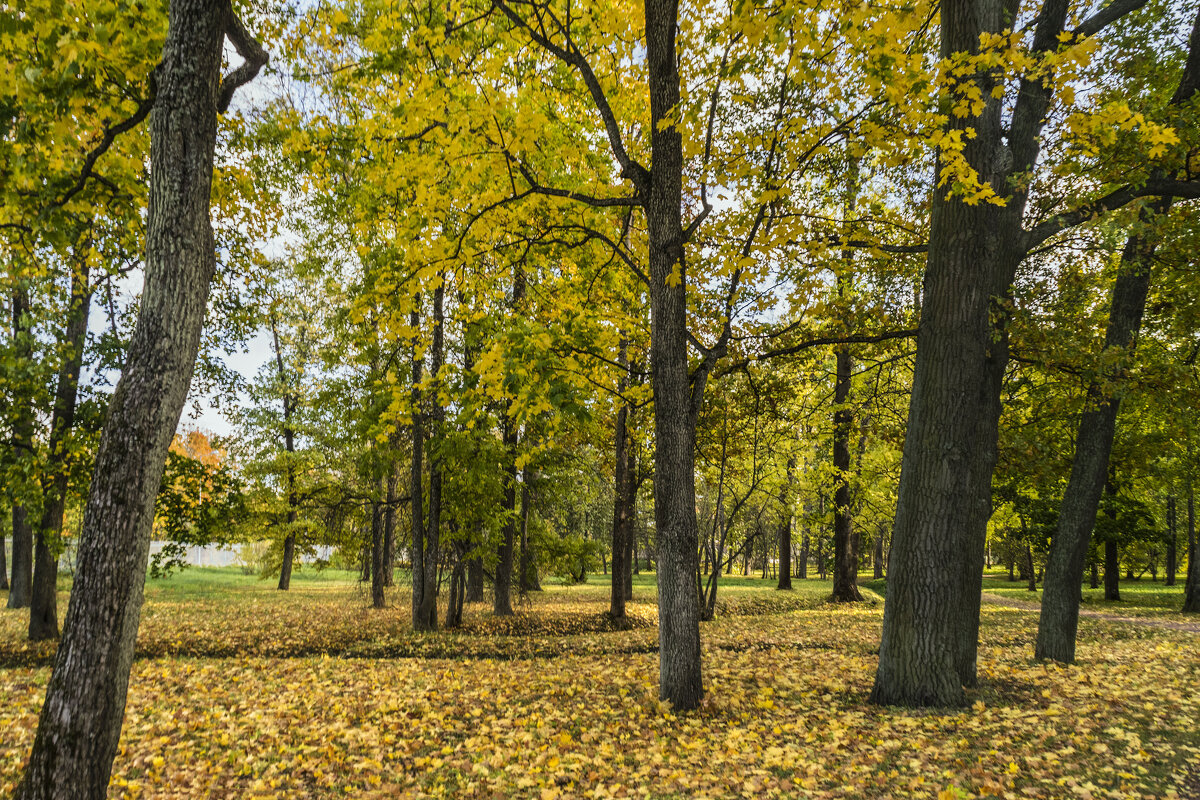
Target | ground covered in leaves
(241,691)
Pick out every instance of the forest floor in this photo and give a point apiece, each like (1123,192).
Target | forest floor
(243,691)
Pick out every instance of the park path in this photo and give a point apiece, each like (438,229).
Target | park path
(1148,622)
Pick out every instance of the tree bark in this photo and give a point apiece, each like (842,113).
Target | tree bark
(877,558)
(416,476)
(20,590)
(378,598)
(1093,445)
(931,618)
(786,522)
(389,527)
(426,615)
(502,597)
(529,577)
(475,580)
(1191,588)
(680,681)
(621,529)
(80,722)
(289,447)
(1172,565)
(1112,571)
(845,559)
(43,611)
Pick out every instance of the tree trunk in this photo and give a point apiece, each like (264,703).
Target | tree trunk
(1093,443)
(787,520)
(425,617)
(474,592)
(845,559)
(1191,588)
(3,564)
(389,527)
(21,588)
(1032,573)
(81,718)
(621,529)
(529,578)
(43,612)
(631,511)
(289,446)
(502,598)
(1112,571)
(804,545)
(1172,565)
(378,599)
(416,476)
(877,558)
(680,680)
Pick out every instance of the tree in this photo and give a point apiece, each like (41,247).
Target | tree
(977,241)
(81,718)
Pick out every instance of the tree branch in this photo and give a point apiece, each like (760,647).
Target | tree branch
(253,55)
(570,55)
(1156,187)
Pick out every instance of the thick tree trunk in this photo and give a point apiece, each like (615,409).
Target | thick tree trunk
(43,611)
(1191,587)
(21,587)
(81,718)
(680,681)
(931,619)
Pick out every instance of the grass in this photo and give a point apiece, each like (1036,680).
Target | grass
(241,691)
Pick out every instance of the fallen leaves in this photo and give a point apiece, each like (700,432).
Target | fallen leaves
(571,710)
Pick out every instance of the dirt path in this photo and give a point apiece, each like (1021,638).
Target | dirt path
(1148,622)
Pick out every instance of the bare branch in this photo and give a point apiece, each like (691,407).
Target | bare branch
(253,55)
(1106,16)
(1157,187)
(817,342)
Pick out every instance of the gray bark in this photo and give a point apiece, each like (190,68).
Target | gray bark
(931,620)
(43,610)
(786,522)
(289,446)
(680,681)
(20,590)
(1093,445)
(1191,588)
(426,615)
(416,480)
(845,559)
(622,530)
(1172,565)
(502,596)
(80,722)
